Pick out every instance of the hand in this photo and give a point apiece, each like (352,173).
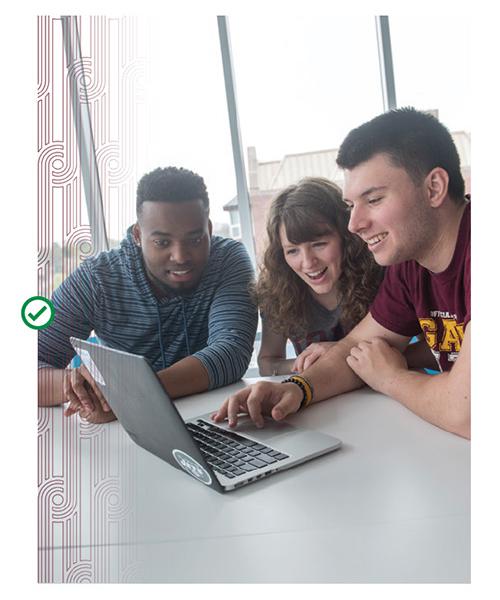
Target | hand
(98,415)
(276,399)
(376,363)
(310,355)
(82,392)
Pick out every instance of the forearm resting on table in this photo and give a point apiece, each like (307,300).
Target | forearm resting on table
(272,365)
(50,387)
(185,377)
(439,399)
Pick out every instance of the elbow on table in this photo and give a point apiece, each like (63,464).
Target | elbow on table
(265,366)
(240,366)
(463,429)
(462,413)
(460,423)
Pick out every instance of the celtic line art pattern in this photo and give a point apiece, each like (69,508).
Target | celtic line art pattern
(85,472)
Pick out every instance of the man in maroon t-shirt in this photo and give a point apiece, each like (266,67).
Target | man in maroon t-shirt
(405,193)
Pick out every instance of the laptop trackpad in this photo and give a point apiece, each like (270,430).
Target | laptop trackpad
(295,441)
(271,428)
(247,427)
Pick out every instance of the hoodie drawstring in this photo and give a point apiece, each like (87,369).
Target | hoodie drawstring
(160,337)
(186,336)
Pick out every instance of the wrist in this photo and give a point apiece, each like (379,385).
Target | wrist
(303,386)
(392,382)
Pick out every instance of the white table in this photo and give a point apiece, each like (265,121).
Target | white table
(392,505)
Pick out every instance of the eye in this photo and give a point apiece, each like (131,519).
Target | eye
(161,243)
(196,241)
(374,200)
(319,244)
(291,251)
(348,207)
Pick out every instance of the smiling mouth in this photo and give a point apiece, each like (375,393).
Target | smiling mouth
(376,239)
(315,275)
(179,273)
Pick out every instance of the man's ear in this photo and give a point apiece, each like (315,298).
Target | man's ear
(136,233)
(436,184)
(210,227)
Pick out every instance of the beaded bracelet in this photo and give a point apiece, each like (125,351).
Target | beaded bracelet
(306,388)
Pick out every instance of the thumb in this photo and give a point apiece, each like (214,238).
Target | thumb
(289,403)
(299,362)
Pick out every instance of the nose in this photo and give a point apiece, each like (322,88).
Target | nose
(308,258)
(358,219)
(179,254)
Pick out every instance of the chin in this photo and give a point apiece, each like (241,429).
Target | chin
(382,261)
(386,260)
(323,290)
(184,288)
(389,262)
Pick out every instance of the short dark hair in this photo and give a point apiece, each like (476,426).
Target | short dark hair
(413,140)
(171,184)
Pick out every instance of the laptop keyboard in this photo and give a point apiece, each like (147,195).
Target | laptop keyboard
(230,453)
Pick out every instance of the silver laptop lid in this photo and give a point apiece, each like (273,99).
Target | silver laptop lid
(143,408)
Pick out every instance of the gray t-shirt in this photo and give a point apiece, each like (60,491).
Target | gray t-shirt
(324,326)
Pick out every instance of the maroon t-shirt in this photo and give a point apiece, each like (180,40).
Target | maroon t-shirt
(411,299)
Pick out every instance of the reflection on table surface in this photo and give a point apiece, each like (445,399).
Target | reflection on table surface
(392,505)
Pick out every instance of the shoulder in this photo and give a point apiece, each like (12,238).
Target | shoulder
(227,251)
(107,263)
(227,246)
(106,267)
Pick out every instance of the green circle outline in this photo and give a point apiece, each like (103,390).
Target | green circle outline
(50,305)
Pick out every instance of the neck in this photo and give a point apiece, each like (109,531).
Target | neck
(330,301)
(439,255)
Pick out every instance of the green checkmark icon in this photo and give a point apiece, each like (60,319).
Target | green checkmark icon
(34,317)
(37,312)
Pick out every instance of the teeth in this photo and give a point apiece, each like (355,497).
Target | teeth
(315,274)
(180,272)
(376,238)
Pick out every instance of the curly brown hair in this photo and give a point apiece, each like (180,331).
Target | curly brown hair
(309,209)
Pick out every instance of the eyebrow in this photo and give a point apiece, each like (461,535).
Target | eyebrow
(188,234)
(375,188)
(316,236)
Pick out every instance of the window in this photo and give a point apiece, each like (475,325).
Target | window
(437,77)
(302,84)
(182,118)
(234,217)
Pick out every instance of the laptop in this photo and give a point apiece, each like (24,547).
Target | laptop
(214,454)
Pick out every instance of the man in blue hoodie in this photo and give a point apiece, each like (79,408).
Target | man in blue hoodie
(172,292)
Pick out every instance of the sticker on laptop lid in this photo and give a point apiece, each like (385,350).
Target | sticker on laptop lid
(91,366)
(191,466)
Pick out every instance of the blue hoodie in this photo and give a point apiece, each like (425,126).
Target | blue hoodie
(111,295)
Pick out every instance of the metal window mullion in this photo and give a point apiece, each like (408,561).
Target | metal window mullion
(239,164)
(385,62)
(84,134)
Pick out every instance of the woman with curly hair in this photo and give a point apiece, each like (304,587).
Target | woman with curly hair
(317,279)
